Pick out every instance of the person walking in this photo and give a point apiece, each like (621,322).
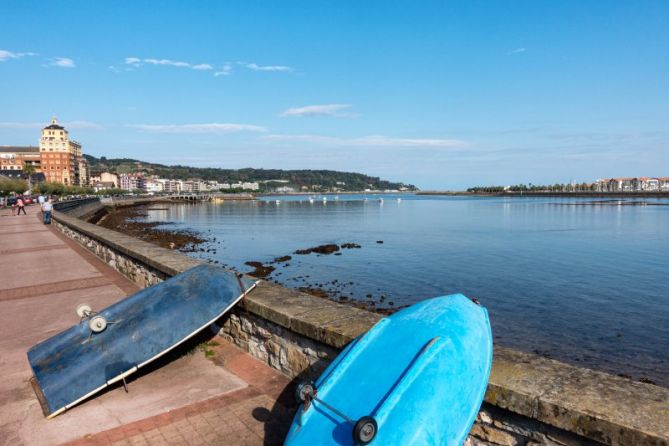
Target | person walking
(21,205)
(47,207)
(40,200)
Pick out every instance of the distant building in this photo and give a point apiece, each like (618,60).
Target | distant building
(107,177)
(649,184)
(626,184)
(154,186)
(171,185)
(103,185)
(14,158)
(132,181)
(60,157)
(250,186)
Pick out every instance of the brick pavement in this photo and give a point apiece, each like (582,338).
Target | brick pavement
(229,399)
(259,414)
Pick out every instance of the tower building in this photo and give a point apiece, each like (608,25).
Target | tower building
(61,159)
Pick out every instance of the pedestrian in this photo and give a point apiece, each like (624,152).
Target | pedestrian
(21,206)
(13,205)
(47,207)
(40,200)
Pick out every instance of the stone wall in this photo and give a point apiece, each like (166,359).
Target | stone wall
(141,274)
(294,355)
(530,400)
(142,262)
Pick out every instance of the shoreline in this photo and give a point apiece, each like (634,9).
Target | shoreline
(123,219)
(657,194)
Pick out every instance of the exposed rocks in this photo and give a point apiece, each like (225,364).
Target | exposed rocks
(260,271)
(124,220)
(322,249)
(350,246)
(282,259)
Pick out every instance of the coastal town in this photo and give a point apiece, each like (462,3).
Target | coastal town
(59,159)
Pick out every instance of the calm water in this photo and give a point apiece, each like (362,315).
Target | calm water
(583,283)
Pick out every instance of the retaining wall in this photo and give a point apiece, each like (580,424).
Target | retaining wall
(530,400)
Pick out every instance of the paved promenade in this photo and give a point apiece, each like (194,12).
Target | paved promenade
(228,398)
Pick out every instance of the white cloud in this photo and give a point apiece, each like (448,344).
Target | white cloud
(517,51)
(6,55)
(82,125)
(368,141)
(173,63)
(137,62)
(332,110)
(77,125)
(62,62)
(225,71)
(256,67)
(21,125)
(199,128)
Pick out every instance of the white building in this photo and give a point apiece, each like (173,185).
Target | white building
(132,181)
(172,185)
(154,186)
(250,186)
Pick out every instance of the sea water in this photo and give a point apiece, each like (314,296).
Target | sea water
(580,280)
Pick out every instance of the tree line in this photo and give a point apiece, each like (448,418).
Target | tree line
(9,186)
(579,187)
(326,179)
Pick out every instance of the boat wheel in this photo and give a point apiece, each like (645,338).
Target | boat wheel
(365,430)
(304,392)
(97,324)
(84,310)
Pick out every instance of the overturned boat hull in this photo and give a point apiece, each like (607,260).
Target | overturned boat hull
(80,362)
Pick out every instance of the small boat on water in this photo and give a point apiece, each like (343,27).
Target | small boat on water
(417,377)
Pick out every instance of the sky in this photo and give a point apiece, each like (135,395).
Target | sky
(440,94)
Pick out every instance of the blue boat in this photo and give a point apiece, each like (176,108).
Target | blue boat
(417,377)
(108,346)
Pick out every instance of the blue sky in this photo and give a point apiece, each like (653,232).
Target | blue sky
(444,95)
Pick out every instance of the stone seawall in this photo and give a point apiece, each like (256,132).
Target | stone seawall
(530,400)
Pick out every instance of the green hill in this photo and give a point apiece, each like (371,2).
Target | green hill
(312,179)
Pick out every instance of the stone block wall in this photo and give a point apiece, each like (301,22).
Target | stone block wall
(294,355)
(143,275)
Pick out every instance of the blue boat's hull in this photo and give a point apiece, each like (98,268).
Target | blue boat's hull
(420,373)
(77,363)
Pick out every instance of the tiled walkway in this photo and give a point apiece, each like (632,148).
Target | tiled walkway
(227,399)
